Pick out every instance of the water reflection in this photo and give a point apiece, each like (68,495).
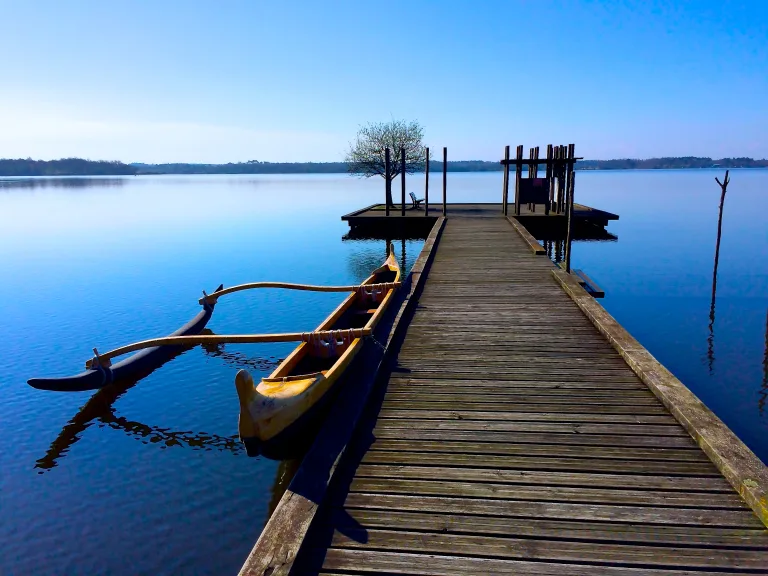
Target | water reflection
(764,387)
(360,264)
(711,327)
(238,360)
(76,182)
(99,409)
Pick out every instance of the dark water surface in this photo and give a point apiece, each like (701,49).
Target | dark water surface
(153,481)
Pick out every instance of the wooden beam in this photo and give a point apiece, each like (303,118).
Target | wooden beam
(569,225)
(445,180)
(402,181)
(505,191)
(550,180)
(518,176)
(426,183)
(740,466)
(521,161)
(537,248)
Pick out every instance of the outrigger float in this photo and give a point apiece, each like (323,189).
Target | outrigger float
(271,411)
(100,371)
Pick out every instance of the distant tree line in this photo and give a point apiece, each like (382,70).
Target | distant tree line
(256,167)
(80,167)
(670,163)
(64,167)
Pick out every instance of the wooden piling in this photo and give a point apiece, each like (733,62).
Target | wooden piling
(426,184)
(569,228)
(561,181)
(445,180)
(505,188)
(387,173)
(402,181)
(550,181)
(518,175)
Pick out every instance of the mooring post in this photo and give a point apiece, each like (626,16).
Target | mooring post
(535,170)
(518,176)
(426,185)
(550,181)
(505,188)
(561,182)
(445,180)
(569,232)
(569,169)
(402,180)
(387,189)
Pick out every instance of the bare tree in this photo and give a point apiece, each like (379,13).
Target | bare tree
(366,156)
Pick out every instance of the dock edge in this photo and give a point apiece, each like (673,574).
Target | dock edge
(735,461)
(280,541)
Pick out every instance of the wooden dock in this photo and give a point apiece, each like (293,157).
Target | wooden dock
(589,222)
(516,428)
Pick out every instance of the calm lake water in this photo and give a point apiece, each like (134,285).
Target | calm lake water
(154,482)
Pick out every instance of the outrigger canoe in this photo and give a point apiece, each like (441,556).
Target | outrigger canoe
(133,367)
(270,412)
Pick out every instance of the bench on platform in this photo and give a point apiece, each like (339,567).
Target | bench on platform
(416,201)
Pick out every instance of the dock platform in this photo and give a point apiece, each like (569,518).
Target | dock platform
(372,220)
(516,428)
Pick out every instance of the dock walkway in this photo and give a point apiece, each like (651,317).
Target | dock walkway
(512,438)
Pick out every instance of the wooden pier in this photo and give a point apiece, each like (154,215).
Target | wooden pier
(588,222)
(515,428)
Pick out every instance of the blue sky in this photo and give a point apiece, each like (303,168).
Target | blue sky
(291,81)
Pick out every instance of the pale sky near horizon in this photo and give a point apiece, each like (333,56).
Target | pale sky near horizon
(236,80)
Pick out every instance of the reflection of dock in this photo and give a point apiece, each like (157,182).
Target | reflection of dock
(372,221)
(515,428)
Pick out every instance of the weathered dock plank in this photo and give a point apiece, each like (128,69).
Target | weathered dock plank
(513,435)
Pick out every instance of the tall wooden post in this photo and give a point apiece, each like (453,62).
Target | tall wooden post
(550,181)
(426,186)
(569,229)
(530,163)
(518,176)
(388,182)
(445,180)
(535,170)
(561,170)
(505,191)
(568,172)
(402,181)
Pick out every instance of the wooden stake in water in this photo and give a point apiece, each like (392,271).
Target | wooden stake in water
(426,184)
(711,339)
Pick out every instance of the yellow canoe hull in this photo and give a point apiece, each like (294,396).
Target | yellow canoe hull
(279,401)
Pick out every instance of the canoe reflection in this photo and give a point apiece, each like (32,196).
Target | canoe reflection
(99,410)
